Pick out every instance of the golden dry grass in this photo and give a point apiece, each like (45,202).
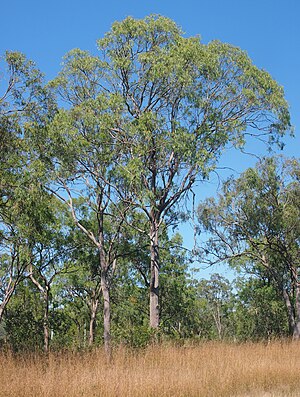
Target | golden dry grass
(210,369)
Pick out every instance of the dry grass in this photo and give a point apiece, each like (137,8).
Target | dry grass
(211,369)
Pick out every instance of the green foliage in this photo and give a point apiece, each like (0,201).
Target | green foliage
(215,302)
(84,184)
(254,225)
(166,104)
(259,311)
(24,321)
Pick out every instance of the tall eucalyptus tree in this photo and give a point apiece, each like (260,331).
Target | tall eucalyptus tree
(183,103)
(152,114)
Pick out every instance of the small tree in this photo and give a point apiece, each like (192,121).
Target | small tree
(49,259)
(215,301)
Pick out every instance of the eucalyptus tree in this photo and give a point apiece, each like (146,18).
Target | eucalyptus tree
(81,287)
(13,263)
(183,103)
(24,102)
(215,301)
(51,248)
(254,224)
(83,154)
(259,310)
(151,114)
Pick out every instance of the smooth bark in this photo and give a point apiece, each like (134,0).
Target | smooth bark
(45,291)
(46,319)
(296,333)
(8,295)
(106,312)
(293,312)
(154,276)
(93,313)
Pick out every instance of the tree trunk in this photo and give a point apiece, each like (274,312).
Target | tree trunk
(8,294)
(296,333)
(104,266)
(2,307)
(106,312)
(290,312)
(106,298)
(45,292)
(93,308)
(46,319)
(218,322)
(154,276)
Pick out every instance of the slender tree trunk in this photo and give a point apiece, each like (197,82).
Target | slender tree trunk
(104,283)
(106,312)
(93,308)
(45,292)
(2,307)
(4,304)
(46,319)
(218,322)
(106,296)
(154,276)
(296,333)
(7,295)
(290,311)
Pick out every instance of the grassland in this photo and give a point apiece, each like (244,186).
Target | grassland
(209,369)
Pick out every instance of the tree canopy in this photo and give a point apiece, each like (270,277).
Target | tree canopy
(97,162)
(254,224)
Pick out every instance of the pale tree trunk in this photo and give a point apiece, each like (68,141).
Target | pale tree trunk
(5,302)
(46,319)
(296,333)
(106,295)
(154,276)
(10,288)
(218,322)
(290,311)
(45,291)
(106,312)
(2,307)
(103,262)
(93,312)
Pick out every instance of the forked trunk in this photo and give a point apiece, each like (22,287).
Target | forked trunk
(154,277)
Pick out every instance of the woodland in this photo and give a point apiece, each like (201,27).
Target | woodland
(95,168)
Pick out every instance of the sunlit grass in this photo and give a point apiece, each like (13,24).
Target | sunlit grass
(210,369)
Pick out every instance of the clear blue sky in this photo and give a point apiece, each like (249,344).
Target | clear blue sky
(269,30)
